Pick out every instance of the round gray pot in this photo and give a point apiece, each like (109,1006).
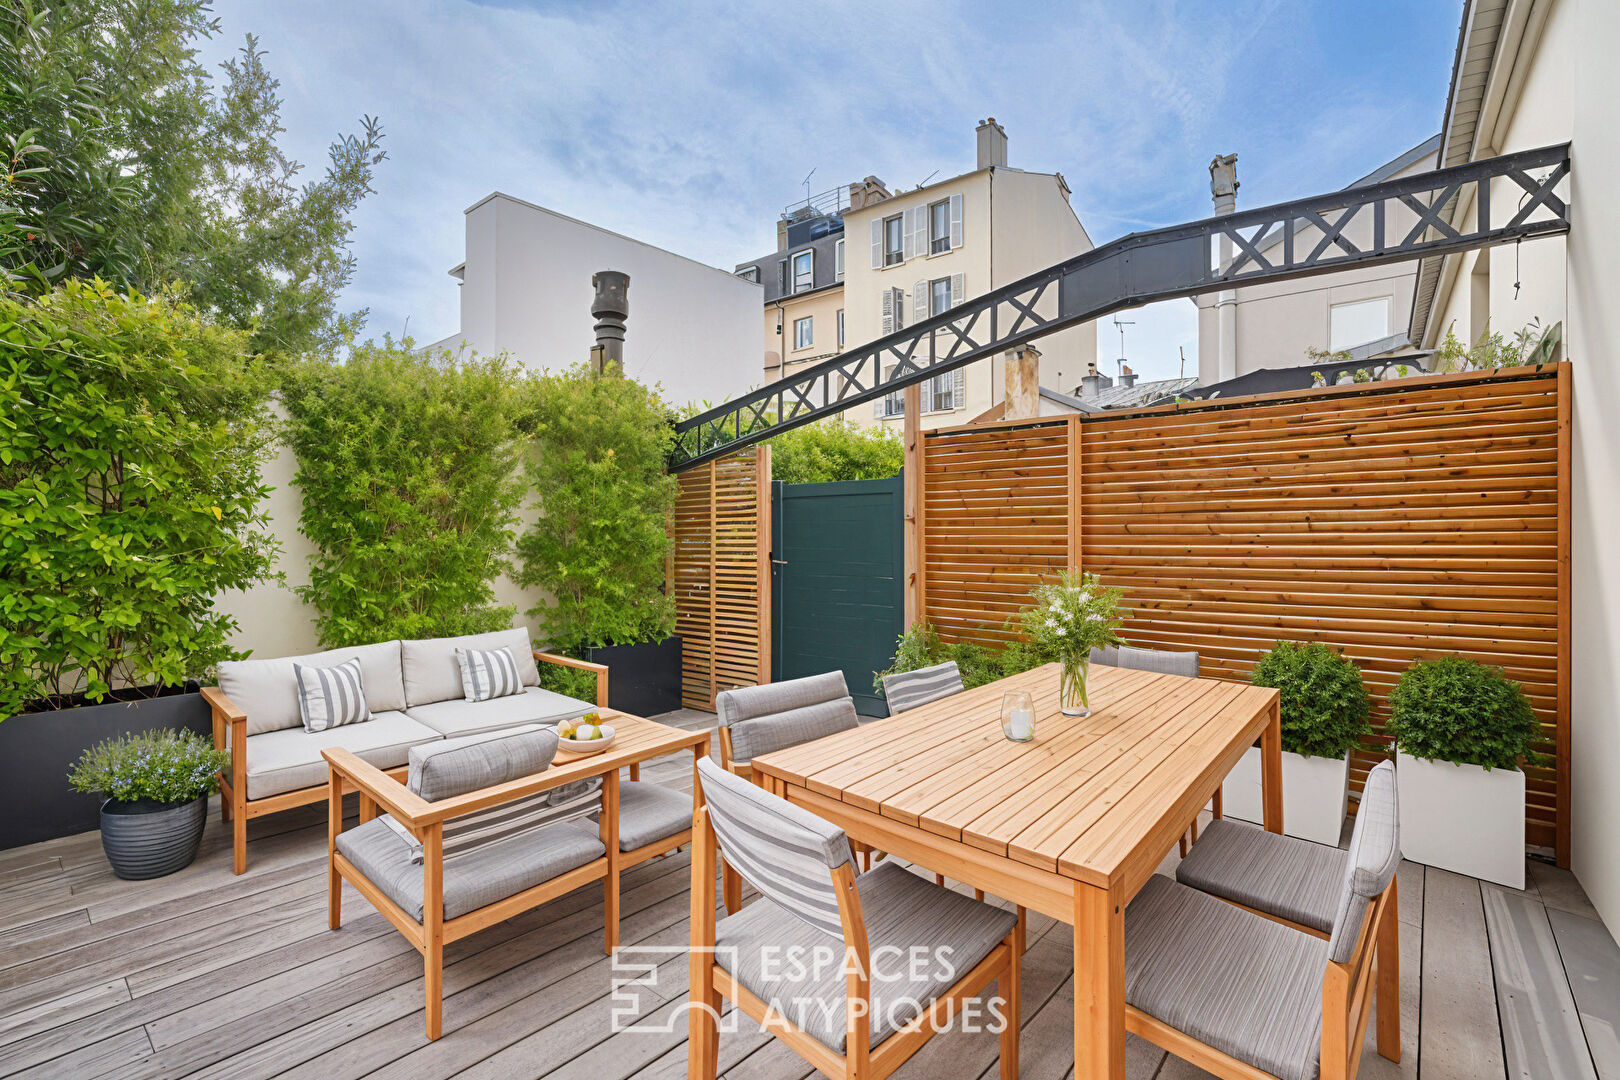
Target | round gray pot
(149,839)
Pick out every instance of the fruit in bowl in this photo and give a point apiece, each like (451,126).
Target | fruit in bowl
(585,729)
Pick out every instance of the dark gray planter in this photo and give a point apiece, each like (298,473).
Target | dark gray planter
(38,749)
(150,839)
(643,680)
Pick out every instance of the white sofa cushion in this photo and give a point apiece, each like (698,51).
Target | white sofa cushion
(280,761)
(267,690)
(432,672)
(463,717)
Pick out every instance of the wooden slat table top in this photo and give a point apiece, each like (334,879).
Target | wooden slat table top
(637,740)
(1081,800)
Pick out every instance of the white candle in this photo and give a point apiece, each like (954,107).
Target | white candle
(1021,722)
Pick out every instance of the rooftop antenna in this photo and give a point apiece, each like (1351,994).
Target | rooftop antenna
(806,183)
(1182,374)
(1122,324)
(927,178)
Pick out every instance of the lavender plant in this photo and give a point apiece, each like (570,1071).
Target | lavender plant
(153,766)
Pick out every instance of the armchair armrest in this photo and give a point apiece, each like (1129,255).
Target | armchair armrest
(223,707)
(230,733)
(407,807)
(584,665)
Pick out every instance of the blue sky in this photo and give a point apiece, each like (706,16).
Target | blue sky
(691,125)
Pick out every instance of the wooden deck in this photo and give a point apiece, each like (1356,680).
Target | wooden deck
(204,974)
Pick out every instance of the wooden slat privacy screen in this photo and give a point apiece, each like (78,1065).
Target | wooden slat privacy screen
(720,561)
(1398,523)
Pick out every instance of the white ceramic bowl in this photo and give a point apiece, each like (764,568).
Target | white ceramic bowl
(588,746)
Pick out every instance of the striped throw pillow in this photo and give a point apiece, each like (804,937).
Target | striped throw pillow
(486,675)
(463,834)
(330,697)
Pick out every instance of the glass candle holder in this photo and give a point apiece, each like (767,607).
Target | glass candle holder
(1018,715)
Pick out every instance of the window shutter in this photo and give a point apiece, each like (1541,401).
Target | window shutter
(900,308)
(919,230)
(958,289)
(838,261)
(889,325)
(877,244)
(956,221)
(919,301)
(959,388)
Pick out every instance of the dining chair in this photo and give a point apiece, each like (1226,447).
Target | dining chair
(1167,662)
(844,1016)
(1281,877)
(906,690)
(1244,996)
(756,720)
(909,689)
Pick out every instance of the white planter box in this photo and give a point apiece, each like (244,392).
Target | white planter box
(1314,794)
(1463,818)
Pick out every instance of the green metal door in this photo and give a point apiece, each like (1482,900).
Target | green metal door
(838,573)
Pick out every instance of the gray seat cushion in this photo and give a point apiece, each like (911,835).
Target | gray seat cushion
(913,689)
(451,767)
(1161,661)
(1373,858)
(902,911)
(280,761)
(649,813)
(476,878)
(267,691)
(765,734)
(1247,986)
(459,716)
(1279,875)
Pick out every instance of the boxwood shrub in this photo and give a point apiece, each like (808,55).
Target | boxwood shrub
(1459,710)
(1325,705)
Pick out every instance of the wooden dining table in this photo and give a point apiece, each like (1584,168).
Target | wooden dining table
(1070,824)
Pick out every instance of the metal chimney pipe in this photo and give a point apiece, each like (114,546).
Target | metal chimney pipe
(611,307)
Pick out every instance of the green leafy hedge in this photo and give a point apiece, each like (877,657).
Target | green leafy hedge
(1325,705)
(408,465)
(132,436)
(597,471)
(1460,710)
(836,450)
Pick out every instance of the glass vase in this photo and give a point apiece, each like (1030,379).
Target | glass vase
(1018,715)
(1072,686)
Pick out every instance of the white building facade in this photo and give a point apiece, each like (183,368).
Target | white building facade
(526,291)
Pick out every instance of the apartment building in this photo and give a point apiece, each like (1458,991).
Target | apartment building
(1270,326)
(896,257)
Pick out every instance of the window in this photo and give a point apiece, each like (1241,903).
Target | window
(894,404)
(838,261)
(939,295)
(804,271)
(939,393)
(1357,323)
(894,240)
(840,328)
(939,227)
(749,273)
(803,334)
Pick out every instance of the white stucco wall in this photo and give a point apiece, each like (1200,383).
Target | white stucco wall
(693,329)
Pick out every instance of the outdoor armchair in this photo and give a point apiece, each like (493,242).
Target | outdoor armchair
(840,1013)
(468,845)
(1244,996)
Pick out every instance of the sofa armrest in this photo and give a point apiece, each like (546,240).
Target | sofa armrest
(405,805)
(584,665)
(230,733)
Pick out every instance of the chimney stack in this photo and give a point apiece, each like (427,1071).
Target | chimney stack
(1223,185)
(1092,386)
(992,144)
(866,192)
(611,306)
(1127,377)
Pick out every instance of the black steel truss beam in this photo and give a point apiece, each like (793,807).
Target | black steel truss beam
(1142,268)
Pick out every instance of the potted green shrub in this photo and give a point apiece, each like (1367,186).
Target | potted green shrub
(156,786)
(1461,730)
(1325,709)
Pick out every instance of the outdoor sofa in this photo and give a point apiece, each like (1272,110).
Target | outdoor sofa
(413,690)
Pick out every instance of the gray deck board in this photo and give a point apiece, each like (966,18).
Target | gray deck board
(1591,958)
(1541,1031)
(208,975)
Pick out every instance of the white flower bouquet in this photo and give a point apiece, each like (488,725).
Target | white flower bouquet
(1070,617)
